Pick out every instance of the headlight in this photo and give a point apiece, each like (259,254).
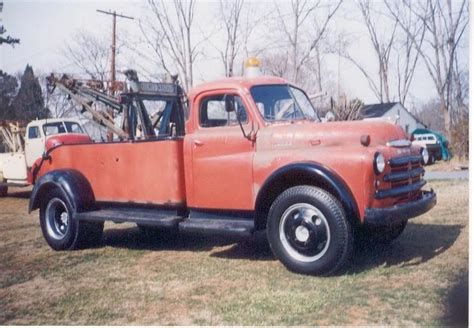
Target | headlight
(425,155)
(379,163)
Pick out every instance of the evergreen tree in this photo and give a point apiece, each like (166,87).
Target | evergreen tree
(28,103)
(7,39)
(8,86)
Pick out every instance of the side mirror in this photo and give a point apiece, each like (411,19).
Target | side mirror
(329,117)
(229,103)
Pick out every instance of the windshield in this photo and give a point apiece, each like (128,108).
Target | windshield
(61,127)
(283,103)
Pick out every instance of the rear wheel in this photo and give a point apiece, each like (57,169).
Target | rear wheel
(431,160)
(3,191)
(60,230)
(149,231)
(308,231)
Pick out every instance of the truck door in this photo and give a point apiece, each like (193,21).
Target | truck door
(34,144)
(222,171)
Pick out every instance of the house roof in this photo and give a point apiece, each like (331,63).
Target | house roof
(376,110)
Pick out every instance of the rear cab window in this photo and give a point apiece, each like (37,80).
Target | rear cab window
(33,132)
(73,127)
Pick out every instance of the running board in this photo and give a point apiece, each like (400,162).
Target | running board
(221,227)
(150,217)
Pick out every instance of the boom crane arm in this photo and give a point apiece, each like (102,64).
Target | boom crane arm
(129,103)
(97,115)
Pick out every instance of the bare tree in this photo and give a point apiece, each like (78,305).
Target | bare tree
(90,55)
(230,12)
(407,55)
(275,64)
(438,48)
(58,104)
(345,109)
(382,45)
(169,34)
(295,30)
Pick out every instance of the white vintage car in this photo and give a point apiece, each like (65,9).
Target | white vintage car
(14,165)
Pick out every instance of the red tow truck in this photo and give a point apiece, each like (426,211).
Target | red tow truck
(234,157)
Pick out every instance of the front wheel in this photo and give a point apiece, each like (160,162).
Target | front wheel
(60,230)
(308,231)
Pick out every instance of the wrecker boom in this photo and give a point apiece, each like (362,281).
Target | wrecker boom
(87,93)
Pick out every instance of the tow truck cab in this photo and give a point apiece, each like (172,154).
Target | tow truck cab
(245,154)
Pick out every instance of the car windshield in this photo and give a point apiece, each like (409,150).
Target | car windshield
(283,103)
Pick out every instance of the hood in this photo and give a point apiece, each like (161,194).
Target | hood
(305,133)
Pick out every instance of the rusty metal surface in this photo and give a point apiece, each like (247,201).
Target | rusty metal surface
(140,172)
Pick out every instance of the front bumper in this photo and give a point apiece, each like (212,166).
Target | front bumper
(398,213)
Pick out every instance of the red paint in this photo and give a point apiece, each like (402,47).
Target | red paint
(218,168)
(66,139)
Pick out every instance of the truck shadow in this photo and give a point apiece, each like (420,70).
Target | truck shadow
(419,243)
(456,303)
(20,193)
(133,238)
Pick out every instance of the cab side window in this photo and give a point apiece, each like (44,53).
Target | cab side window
(212,111)
(33,132)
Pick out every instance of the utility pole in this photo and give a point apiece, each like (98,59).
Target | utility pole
(111,88)
(114,33)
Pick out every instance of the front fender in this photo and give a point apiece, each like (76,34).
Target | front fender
(318,173)
(72,183)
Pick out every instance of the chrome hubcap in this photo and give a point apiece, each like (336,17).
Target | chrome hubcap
(57,218)
(304,232)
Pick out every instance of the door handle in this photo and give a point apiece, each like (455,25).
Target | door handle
(198,142)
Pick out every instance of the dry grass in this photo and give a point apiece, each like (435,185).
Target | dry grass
(454,164)
(420,280)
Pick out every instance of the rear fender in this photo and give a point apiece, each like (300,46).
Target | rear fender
(73,184)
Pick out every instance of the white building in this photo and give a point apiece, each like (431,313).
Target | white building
(393,112)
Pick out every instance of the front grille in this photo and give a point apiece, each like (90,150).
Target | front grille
(405,178)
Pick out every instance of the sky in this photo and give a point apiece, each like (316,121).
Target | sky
(45,27)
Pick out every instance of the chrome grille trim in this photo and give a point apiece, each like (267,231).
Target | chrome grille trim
(404,175)
(399,191)
(400,161)
(405,178)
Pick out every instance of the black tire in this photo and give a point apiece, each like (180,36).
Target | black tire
(149,231)
(3,191)
(431,160)
(380,235)
(60,231)
(308,231)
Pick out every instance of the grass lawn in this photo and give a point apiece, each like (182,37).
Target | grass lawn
(421,279)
